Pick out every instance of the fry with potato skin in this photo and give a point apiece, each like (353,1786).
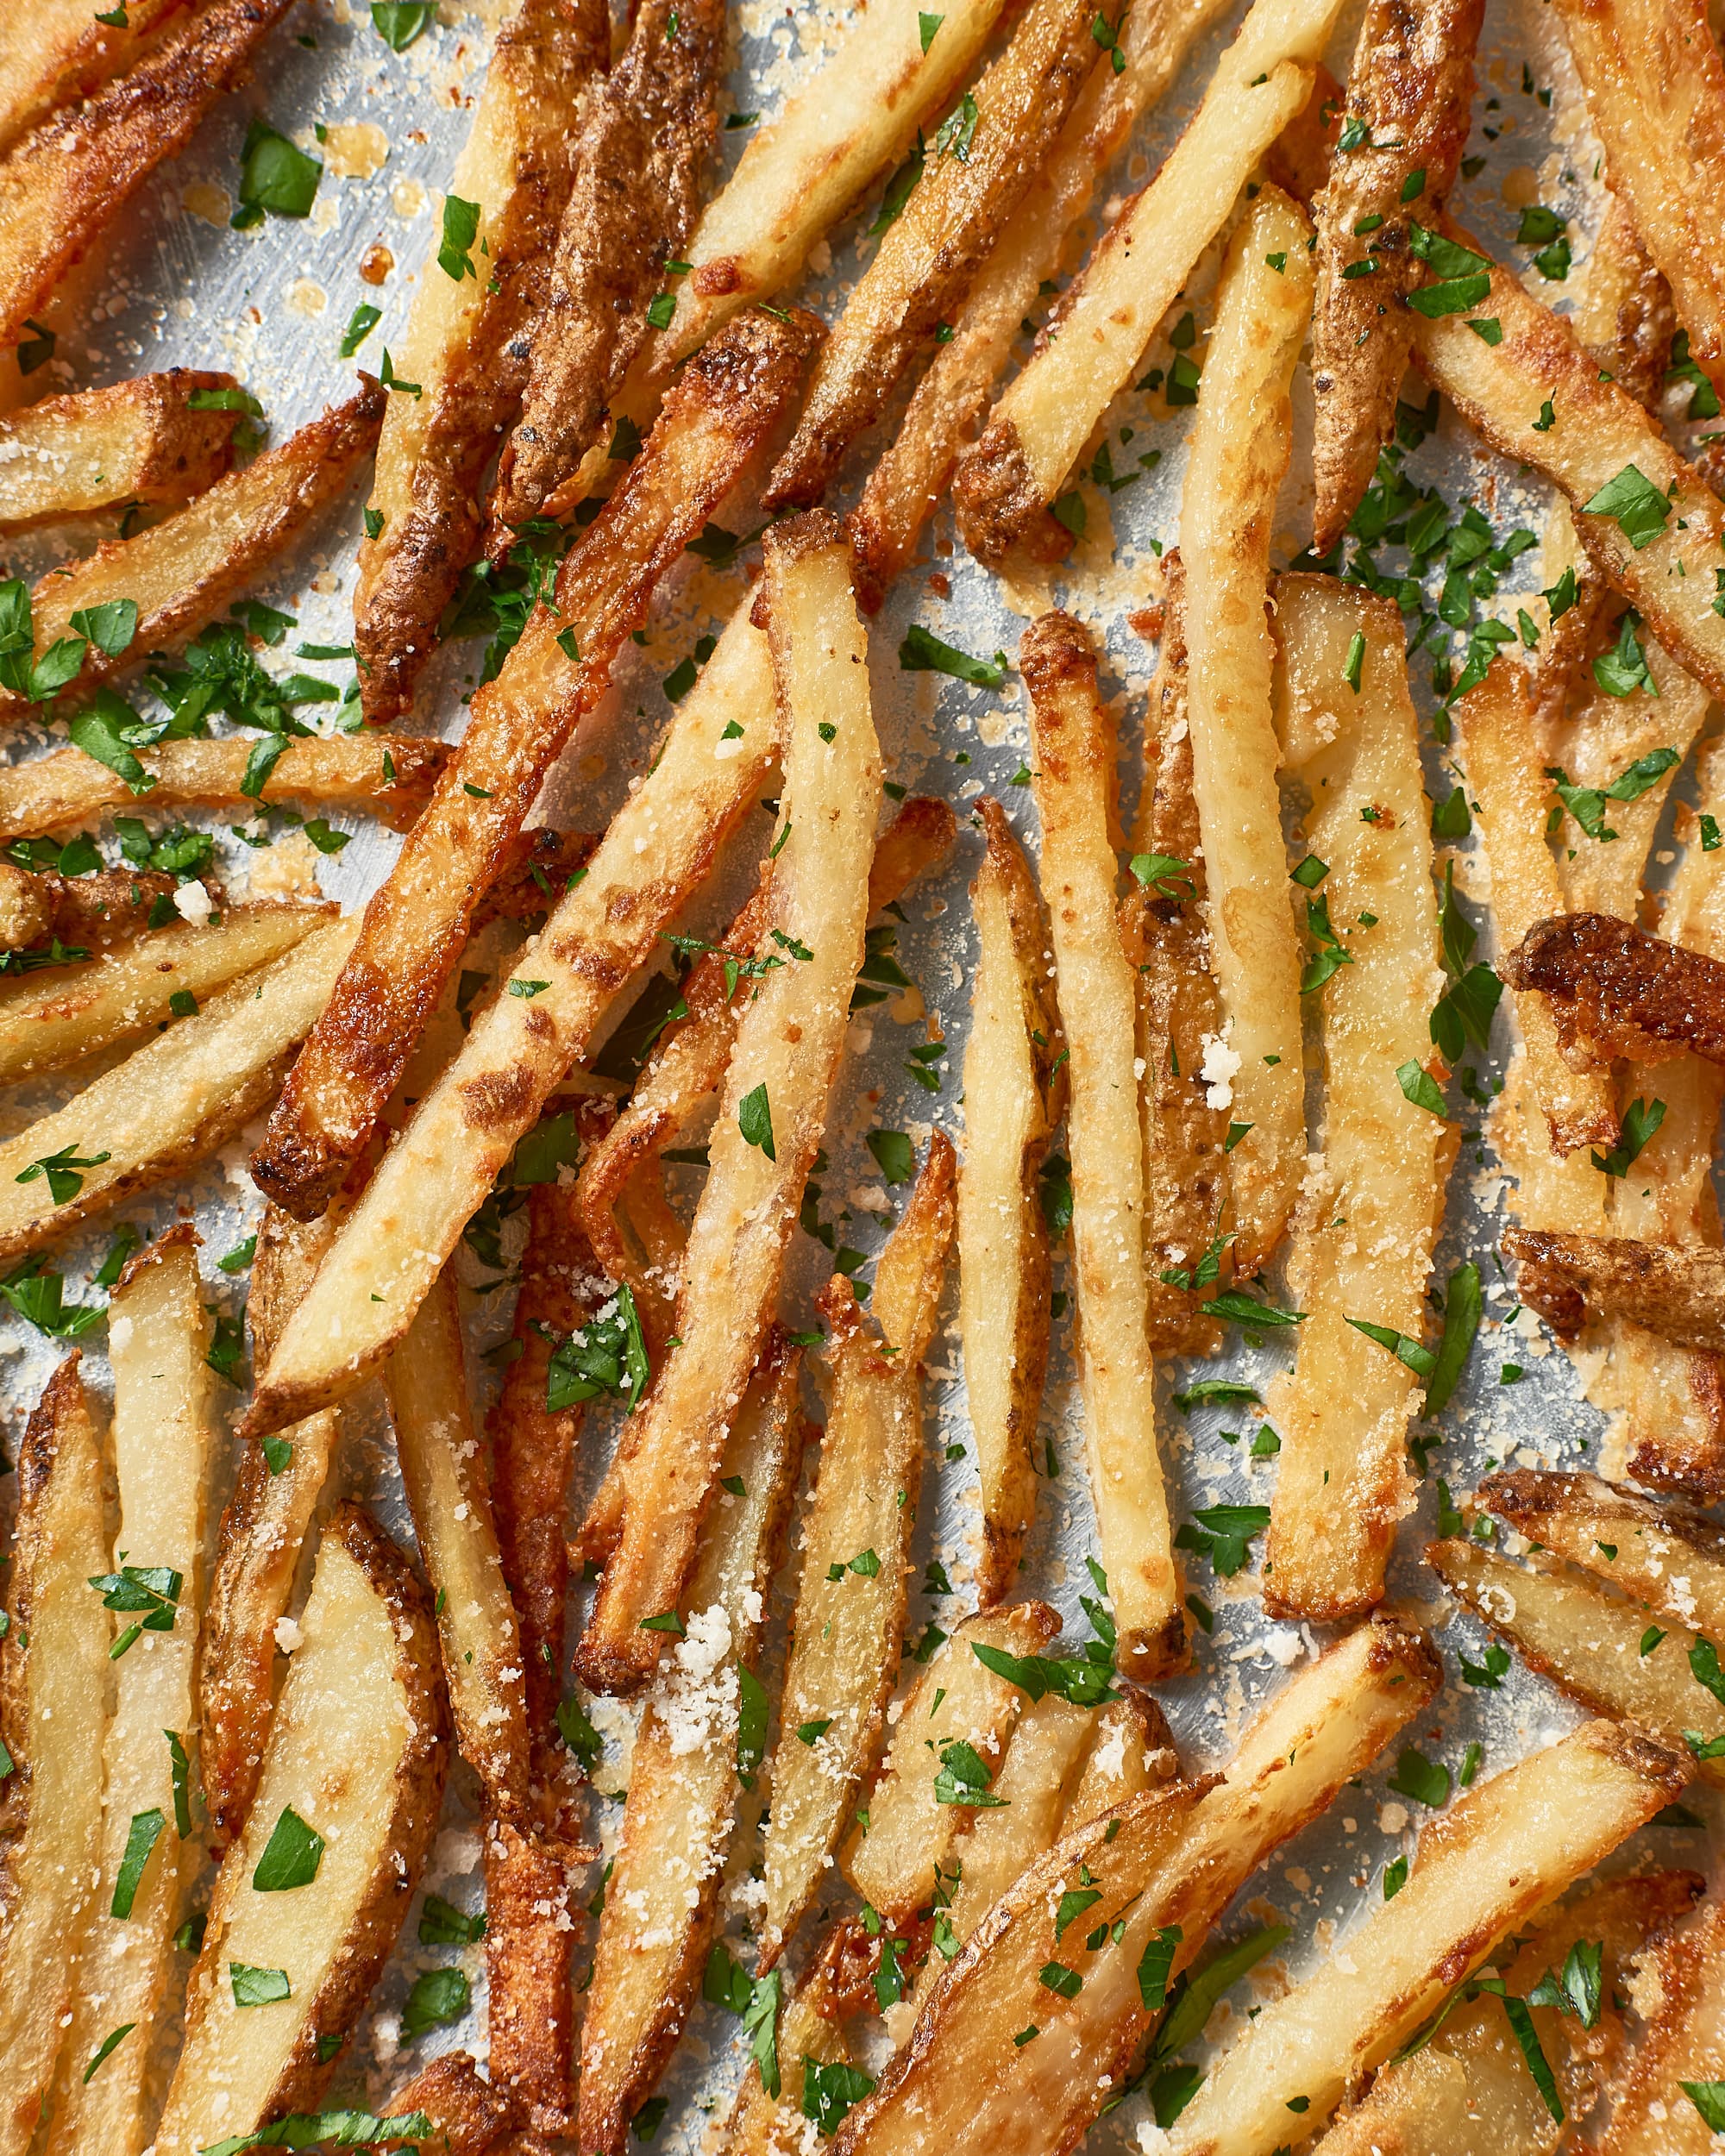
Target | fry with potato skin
(1015,1093)
(1667,1555)
(648,130)
(54,1713)
(182,572)
(1617,991)
(1372,1206)
(846,1632)
(788,1044)
(1678,1293)
(466,341)
(1412,88)
(1074,754)
(472,2115)
(54,50)
(63,184)
(924,264)
(439,1171)
(418,923)
(1240,446)
(136,441)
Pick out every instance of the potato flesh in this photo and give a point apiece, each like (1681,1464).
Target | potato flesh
(134,442)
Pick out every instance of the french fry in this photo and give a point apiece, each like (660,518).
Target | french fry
(92,912)
(803,171)
(1672,1560)
(357,1753)
(1655,90)
(1616,990)
(262,1534)
(661,844)
(471,2115)
(137,441)
(1370,1213)
(54,1686)
(689,1065)
(392,778)
(645,136)
(180,573)
(1074,757)
(530,2032)
(1474,2088)
(52,1018)
(1678,1293)
(1241,441)
(1589,1644)
(1044,1762)
(934,247)
(1599,435)
(773,1106)
(809,2031)
(465,338)
(1507,1846)
(162,1442)
(443,1473)
(1498,752)
(1166,1861)
(416,924)
(1004,485)
(1652,2112)
(54,50)
(1299,159)
(1411,88)
(662,1901)
(64,183)
(911,476)
(848,1624)
(172,1102)
(1011,1100)
(1132,1750)
(917,1809)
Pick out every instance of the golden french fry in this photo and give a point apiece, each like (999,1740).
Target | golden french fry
(1671,1559)
(809,2029)
(416,924)
(662,1901)
(464,339)
(772,1110)
(157,1335)
(1652,2112)
(1004,485)
(1074,756)
(846,1630)
(54,1717)
(53,51)
(137,441)
(1370,1211)
(51,1018)
(357,1754)
(1011,1100)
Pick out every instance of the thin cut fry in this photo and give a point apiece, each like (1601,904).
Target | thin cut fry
(443,1473)
(647,132)
(660,845)
(1004,485)
(905,484)
(773,1106)
(162,1437)
(392,778)
(465,340)
(1411,88)
(917,1809)
(1371,1209)
(416,924)
(1241,440)
(1508,1846)
(136,441)
(1044,1762)
(924,264)
(1011,1100)
(1671,1559)
(1132,1749)
(1499,753)
(1655,90)
(53,51)
(62,184)
(846,1630)
(358,1754)
(54,1713)
(1590,1644)
(531,1928)
(1651,2114)
(662,1901)
(51,1018)
(173,1102)
(803,171)
(1599,435)
(1074,754)
(181,573)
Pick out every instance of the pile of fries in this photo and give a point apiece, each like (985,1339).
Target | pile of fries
(981,1883)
